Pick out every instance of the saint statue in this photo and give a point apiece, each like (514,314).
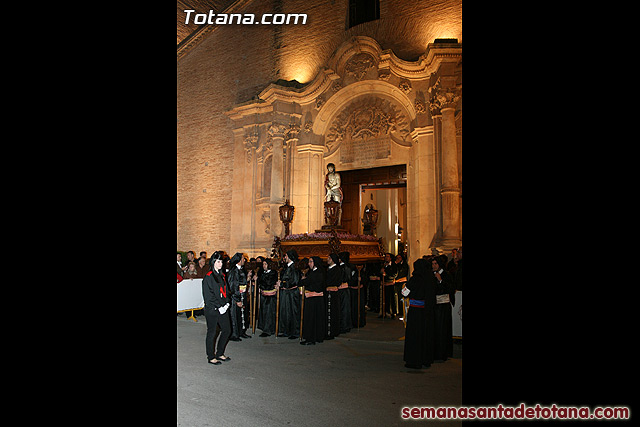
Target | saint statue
(333,198)
(332,184)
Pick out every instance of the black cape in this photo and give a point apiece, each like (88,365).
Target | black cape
(314,326)
(289,321)
(267,312)
(420,331)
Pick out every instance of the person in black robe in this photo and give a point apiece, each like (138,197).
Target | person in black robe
(216,304)
(240,307)
(419,333)
(289,321)
(332,300)
(314,315)
(344,294)
(388,272)
(267,285)
(445,292)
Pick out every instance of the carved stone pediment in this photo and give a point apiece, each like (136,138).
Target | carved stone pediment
(368,117)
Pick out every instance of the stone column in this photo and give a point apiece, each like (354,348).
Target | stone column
(276,133)
(421,193)
(443,101)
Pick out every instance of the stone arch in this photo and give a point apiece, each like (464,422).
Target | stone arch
(345,96)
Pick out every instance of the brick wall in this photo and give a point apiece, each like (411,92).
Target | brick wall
(235,62)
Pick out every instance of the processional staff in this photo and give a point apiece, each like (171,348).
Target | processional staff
(359,267)
(301,310)
(254,310)
(278,305)
(384,274)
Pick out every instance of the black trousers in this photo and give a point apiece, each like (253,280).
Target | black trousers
(214,318)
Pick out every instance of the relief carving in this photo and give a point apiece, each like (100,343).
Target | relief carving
(250,141)
(368,117)
(440,98)
(292,131)
(359,64)
(405,86)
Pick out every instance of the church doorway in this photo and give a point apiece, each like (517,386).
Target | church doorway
(385,188)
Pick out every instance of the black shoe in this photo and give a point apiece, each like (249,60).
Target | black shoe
(406,365)
(307,343)
(245,336)
(281,335)
(235,339)
(328,338)
(217,362)
(293,337)
(225,358)
(265,334)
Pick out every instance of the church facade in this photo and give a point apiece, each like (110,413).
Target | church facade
(260,120)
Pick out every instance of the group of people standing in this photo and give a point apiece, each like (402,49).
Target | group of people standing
(304,300)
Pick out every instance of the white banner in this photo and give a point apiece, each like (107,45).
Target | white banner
(190,295)
(456,314)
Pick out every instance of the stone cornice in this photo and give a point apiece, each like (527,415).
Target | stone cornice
(328,83)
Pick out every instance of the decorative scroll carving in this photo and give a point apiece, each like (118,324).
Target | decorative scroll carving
(405,86)
(250,141)
(308,126)
(266,218)
(292,131)
(277,130)
(384,75)
(442,97)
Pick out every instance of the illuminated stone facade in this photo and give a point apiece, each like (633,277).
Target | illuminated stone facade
(245,143)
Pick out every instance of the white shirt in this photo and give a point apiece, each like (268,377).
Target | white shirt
(289,263)
(331,266)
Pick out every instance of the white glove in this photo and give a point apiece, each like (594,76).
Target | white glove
(224,308)
(405,291)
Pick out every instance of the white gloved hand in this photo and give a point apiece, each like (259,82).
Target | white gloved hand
(405,291)
(224,308)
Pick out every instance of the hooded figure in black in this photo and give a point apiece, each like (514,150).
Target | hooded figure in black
(267,284)
(334,280)
(289,322)
(314,326)
(344,293)
(216,303)
(239,307)
(420,331)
